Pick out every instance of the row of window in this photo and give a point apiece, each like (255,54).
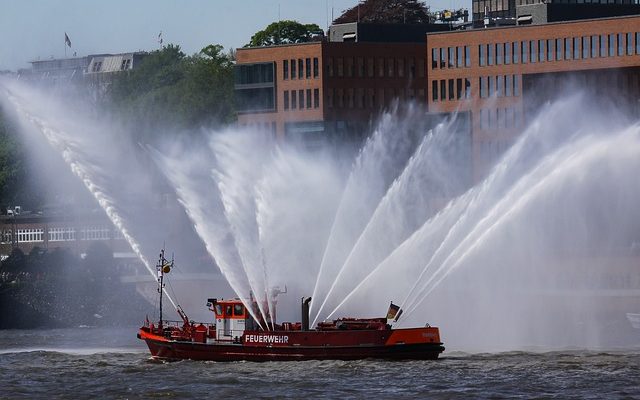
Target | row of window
(500,118)
(62,234)
(369,98)
(29,235)
(452,89)
(296,99)
(300,68)
(499,86)
(375,67)
(569,48)
(450,57)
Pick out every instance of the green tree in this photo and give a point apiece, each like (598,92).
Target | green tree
(170,90)
(12,166)
(284,32)
(387,12)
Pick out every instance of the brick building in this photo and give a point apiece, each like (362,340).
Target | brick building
(331,88)
(502,74)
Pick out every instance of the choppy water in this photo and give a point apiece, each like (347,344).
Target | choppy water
(92,363)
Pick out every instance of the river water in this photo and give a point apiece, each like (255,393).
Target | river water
(113,364)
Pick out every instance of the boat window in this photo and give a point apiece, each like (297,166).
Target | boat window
(227,310)
(238,310)
(218,309)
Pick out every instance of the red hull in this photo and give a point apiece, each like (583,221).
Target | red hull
(402,344)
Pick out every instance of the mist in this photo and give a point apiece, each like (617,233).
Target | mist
(540,253)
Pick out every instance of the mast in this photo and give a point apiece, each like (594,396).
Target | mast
(163,267)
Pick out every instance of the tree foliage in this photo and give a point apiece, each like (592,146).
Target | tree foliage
(284,32)
(387,12)
(170,90)
(12,166)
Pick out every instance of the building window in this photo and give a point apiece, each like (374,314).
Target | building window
(285,69)
(541,51)
(443,57)
(293,69)
(330,98)
(360,62)
(499,51)
(459,57)
(576,48)
(316,98)
(499,85)
(308,67)
(603,45)
(400,67)
(637,42)
(467,88)
(629,44)
(620,44)
(380,67)
(549,49)
(532,51)
(434,58)
(434,90)
(340,67)
(467,56)
(459,88)
(360,101)
(308,98)
(559,49)
(330,67)
(490,86)
(452,56)
(507,53)
(524,52)
(483,89)
(350,67)
(370,67)
(300,67)
(585,47)
(508,86)
(390,68)
(294,99)
(301,99)
(516,52)
(567,48)
(286,100)
(489,54)
(451,89)
(595,48)
(412,68)
(481,55)
(316,70)
(516,87)
(612,45)
(443,90)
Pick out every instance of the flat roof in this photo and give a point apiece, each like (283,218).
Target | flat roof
(577,21)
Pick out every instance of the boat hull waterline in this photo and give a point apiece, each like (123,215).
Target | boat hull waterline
(401,344)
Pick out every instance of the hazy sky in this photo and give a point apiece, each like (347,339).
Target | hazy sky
(32,29)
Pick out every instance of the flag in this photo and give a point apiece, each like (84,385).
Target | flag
(67,41)
(160,37)
(394,312)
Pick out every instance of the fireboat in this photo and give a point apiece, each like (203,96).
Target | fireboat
(235,335)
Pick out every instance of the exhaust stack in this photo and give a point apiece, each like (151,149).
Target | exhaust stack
(305,313)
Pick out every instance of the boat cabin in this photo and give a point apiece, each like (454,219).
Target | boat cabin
(232,318)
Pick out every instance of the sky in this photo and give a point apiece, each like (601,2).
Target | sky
(34,29)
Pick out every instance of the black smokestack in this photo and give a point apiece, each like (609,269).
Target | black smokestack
(305,313)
